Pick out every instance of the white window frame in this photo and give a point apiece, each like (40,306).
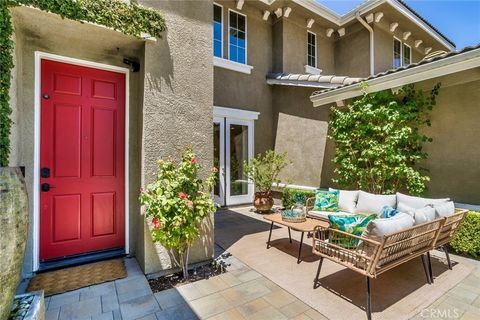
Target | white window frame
(316,63)
(222,31)
(393,52)
(403,53)
(246,36)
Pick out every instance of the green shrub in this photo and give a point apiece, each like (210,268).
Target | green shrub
(290,195)
(467,238)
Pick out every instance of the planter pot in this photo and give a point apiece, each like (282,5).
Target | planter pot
(263,201)
(13,234)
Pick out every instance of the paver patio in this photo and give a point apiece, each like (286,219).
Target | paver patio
(241,293)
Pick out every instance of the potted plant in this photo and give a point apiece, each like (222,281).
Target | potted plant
(176,203)
(263,171)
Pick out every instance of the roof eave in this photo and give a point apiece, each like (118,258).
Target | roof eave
(457,63)
(305,84)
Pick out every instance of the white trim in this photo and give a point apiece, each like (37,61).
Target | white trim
(232,65)
(36,161)
(304,84)
(308,44)
(293,186)
(221,169)
(221,30)
(246,36)
(312,70)
(234,113)
(454,64)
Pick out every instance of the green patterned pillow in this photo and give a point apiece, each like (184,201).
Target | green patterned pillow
(326,200)
(352,224)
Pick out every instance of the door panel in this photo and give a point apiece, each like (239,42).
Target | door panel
(219,159)
(82,143)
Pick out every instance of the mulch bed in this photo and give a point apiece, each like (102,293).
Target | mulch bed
(215,268)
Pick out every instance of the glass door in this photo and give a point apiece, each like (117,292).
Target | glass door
(238,149)
(219,159)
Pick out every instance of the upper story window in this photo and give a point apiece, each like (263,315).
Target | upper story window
(217,30)
(237,39)
(407,54)
(397,53)
(311,49)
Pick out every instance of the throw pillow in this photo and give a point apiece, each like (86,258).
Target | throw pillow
(444,209)
(418,202)
(347,200)
(383,226)
(373,203)
(388,212)
(352,224)
(326,201)
(421,215)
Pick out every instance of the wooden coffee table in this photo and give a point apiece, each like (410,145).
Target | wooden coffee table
(302,227)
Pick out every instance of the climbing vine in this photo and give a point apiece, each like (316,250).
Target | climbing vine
(132,19)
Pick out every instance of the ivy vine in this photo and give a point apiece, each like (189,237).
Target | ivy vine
(132,19)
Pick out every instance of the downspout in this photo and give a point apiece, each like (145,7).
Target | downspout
(372,47)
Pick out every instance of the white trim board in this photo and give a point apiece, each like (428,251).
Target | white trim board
(36,161)
(454,64)
(232,65)
(235,113)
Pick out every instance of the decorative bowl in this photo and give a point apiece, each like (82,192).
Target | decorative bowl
(294,215)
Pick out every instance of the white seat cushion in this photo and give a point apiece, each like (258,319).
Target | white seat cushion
(421,215)
(418,202)
(373,203)
(347,200)
(444,209)
(323,215)
(378,228)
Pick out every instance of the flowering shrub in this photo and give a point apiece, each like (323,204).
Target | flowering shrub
(177,202)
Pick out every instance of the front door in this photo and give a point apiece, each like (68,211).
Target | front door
(81,160)
(233,146)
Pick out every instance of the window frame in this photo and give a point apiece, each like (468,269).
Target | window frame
(393,52)
(222,31)
(246,36)
(308,44)
(403,54)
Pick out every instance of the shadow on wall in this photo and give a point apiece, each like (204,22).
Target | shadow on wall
(158,58)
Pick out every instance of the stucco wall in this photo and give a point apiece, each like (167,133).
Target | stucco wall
(40,31)
(177,111)
(352,52)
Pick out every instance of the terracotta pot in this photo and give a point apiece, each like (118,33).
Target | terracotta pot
(13,234)
(263,201)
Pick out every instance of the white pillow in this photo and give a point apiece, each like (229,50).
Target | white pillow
(444,209)
(373,203)
(418,202)
(421,215)
(347,200)
(378,228)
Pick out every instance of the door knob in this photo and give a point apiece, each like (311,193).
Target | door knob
(46,187)
(45,172)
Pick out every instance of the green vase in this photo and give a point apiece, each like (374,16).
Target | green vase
(13,234)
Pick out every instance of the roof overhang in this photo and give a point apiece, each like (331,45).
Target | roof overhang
(305,84)
(456,63)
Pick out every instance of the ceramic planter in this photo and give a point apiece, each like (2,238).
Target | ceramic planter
(263,201)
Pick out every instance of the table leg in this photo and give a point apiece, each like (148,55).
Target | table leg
(270,235)
(300,249)
(289,235)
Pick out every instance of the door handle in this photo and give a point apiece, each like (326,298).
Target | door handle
(46,187)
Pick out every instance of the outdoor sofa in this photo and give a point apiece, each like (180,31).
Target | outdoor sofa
(386,242)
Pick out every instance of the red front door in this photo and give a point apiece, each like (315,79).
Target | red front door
(81,160)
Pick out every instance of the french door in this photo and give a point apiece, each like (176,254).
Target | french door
(233,146)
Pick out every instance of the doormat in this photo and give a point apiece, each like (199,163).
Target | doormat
(73,278)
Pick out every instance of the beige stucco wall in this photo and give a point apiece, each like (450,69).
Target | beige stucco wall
(352,52)
(40,31)
(177,111)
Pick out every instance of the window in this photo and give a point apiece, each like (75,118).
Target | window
(237,31)
(407,55)
(397,53)
(311,49)
(217,31)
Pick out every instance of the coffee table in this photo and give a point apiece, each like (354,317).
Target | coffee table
(307,226)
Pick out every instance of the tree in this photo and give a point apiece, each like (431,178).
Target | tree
(177,202)
(378,141)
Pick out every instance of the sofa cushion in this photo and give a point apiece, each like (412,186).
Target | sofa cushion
(380,227)
(354,224)
(347,200)
(418,202)
(421,215)
(373,203)
(444,209)
(323,215)
(326,200)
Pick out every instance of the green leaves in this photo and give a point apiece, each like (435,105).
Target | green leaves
(263,170)
(466,239)
(379,143)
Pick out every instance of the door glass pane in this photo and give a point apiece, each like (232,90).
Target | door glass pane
(238,154)
(216,156)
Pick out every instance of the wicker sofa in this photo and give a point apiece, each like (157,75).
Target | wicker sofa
(372,256)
